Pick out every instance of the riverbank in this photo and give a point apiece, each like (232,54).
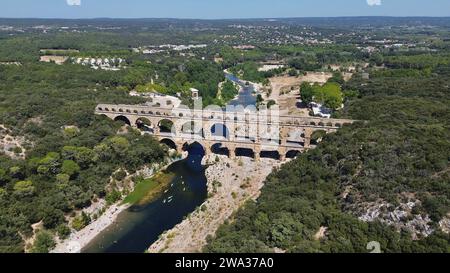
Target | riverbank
(78,240)
(241,82)
(230,184)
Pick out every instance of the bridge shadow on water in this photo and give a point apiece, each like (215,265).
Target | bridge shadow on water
(194,159)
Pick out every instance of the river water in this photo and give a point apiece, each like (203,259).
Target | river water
(136,228)
(139,226)
(246,95)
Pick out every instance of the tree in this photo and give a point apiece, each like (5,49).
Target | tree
(43,243)
(113,196)
(181,78)
(63,231)
(377,58)
(24,188)
(70,168)
(103,151)
(3,192)
(329,94)
(119,145)
(69,152)
(306,93)
(81,221)
(84,157)
(51,217)
(3,177)
(62,179)
(120,175)
(49,164)
(293,72)
(337,78)
(16,172)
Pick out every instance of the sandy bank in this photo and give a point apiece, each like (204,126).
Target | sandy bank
(80,239)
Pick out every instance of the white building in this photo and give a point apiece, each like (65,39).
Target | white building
(320,110)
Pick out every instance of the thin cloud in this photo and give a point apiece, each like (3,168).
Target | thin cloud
(374,3)
(73,2)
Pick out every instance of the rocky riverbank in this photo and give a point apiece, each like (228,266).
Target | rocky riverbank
(80,239)
(230,184)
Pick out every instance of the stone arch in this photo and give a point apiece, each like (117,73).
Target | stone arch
(123,119)
(169,143)
(194,147)
(192,128)
(247,152)
(270,154)
(220,130)
(219,149)
(166,126)
(317,136)
(269,134)
(144,125)
(292,154)
(104,116)
(295,138)
(245,132)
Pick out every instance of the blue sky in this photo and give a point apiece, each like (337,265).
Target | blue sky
(214,9)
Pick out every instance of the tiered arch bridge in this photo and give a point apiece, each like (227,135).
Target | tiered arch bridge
(233,133)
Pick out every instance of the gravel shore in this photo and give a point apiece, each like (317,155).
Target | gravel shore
(230,184)
(80,239)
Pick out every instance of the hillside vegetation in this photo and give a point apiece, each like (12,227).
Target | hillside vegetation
(400,154)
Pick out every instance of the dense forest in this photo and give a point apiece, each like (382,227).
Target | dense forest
(70,152)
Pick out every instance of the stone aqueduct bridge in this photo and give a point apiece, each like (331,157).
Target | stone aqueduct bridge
(228,132)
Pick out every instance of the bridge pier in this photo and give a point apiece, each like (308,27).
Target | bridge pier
(308,134)
(307,142)
(179,147)
(282,152)
(232,153)
(208,150)
(257,152)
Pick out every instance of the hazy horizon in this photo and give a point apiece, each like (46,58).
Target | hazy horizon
(218,19)
(220,10)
